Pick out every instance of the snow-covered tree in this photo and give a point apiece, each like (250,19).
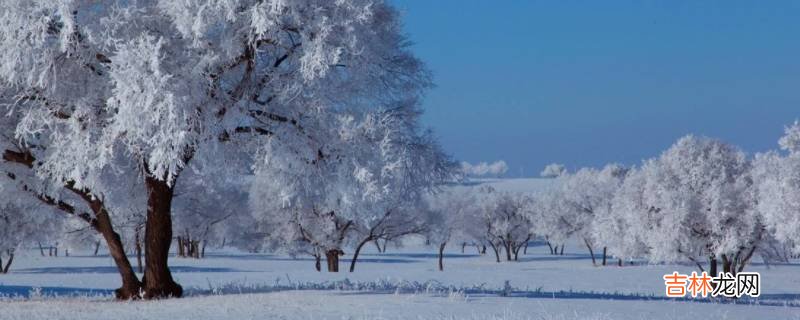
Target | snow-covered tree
(483,169)
(618,228)
(456,218)
(699,205)
(587,194)
(154,83)
(777,180)
(553,170)
(506,222)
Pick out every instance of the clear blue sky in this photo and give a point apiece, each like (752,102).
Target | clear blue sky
(586,83)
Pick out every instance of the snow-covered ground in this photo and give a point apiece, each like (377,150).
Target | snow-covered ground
(401,284)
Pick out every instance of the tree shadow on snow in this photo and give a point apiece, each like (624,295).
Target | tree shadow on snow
(781,300)
(30,291)
(421,255)
(548,257)
(69,270)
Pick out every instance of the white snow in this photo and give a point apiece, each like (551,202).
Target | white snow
(401,284)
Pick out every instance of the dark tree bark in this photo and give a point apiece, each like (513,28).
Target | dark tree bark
(562,248)
(158,282)
(8,264)
(181,251)
(619,263)
(463,247)
(130,282)
(604,255)
(41,249)
(101,222)
(496,253)
(96,247)
(525,251)
(591,252)
(441,256)
(378,246)
(332,256)
(712,262)
(509,249)
(318,263)
(138,249)
(358,250)
(203,249)
(552,251)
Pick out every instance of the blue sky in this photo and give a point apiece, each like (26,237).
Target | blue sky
(586,83)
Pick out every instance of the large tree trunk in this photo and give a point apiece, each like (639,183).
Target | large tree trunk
(441,256)
(358,250)
(158,282)
(332,256)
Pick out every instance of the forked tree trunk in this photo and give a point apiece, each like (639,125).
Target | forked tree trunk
(441,256)
(158,282)
(8,264)
(509,249)
(496,253)
(591,252)
(355,253)
(332,256)
(131,285)
(378,246)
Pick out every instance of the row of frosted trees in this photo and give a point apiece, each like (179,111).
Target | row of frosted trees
(701,201)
